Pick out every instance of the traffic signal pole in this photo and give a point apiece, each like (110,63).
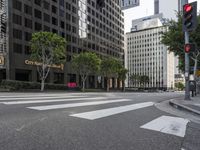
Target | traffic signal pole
(187,69)
(187,63)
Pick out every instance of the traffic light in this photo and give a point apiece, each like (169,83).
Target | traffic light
(189,16)
(189,48)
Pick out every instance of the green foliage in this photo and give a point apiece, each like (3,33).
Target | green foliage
(122,73)
(174,39)
(110,67)
(48,48)
(179,86)
(134,78)
(86,63)
(144,79)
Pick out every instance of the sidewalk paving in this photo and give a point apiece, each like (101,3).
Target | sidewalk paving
(192,105)
(191,140)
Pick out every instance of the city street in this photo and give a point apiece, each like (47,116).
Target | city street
(89,121)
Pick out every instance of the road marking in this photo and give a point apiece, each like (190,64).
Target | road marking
(49,107)
(92,115)
(47,97)
(169,125)
(48,101)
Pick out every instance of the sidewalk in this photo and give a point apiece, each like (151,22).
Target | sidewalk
(192,105)
(191,139)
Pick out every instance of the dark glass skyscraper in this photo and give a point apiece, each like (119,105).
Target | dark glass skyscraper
(87,25)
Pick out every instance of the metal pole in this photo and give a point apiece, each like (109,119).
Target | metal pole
(187,70)
(187,64)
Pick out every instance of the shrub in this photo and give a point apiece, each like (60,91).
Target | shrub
(19,85)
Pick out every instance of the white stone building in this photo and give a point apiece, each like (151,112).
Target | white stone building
(147,56)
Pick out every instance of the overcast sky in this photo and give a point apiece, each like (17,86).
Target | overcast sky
(146,8)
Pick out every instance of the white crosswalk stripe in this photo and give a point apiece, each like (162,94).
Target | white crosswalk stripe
(92,115)
(49,101)
(38,97)
(50,107)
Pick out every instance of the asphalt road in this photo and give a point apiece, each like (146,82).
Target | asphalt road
(84,121)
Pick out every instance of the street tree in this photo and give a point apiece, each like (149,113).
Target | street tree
(179,86)
(174,39)
(144,80)
(47,49)
(122,76)
(109,68)
(134,78)
(86,64)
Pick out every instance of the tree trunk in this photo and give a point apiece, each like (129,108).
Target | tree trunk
(108,84)
(83,89)
(42,85)
(123,86)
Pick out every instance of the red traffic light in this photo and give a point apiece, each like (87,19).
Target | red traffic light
(187,7)
(189,48)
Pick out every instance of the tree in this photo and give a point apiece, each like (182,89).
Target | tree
(134,78)
(85,64)
(174,39)
(122,76)
(109,68)
(179,86)
(47,49)
(144,79)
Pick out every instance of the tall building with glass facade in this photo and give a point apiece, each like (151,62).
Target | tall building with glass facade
(87,25)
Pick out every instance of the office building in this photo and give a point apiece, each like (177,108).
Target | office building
(126,4)
(87,25)
(146,55)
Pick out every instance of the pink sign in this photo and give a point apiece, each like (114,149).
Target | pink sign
(71,84)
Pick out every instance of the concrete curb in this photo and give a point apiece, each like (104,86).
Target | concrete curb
(183,107)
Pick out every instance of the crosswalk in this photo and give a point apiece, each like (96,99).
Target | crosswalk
(47,102)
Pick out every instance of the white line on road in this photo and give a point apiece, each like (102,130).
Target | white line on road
(92,115)
(48,101)
(47,97)
(169,125)
(49,107)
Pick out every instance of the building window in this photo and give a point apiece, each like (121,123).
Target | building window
(38,26)
(54,9)
(28,23)
(62,24)
(28,36)
(46,17)
(46,28)
(17,34)
(68,6)
(27,50)
(17,19)
(54,21)
(17,48)
(46,5)
(27,9)
(38,2)
(38,14)
(61,3)
(17,5)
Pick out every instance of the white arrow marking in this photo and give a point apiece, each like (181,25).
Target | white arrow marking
(169,125)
